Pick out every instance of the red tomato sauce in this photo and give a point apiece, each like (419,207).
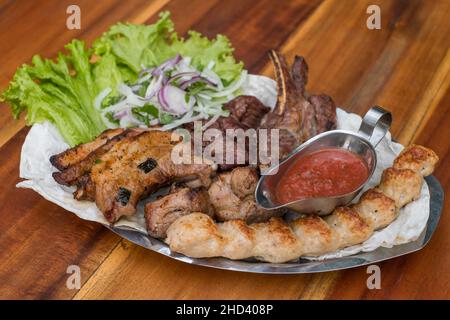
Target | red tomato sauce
(323,173)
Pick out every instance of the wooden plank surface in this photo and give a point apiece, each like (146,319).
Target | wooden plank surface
(403,67)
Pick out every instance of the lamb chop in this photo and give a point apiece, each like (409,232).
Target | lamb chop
(298,116)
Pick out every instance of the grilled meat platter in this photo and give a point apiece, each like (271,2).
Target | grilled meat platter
(127,124)
(219,215)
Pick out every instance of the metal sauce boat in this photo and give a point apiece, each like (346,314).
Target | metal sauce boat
(374,127)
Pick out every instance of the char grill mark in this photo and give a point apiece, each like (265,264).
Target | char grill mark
(148,165)
(123,196)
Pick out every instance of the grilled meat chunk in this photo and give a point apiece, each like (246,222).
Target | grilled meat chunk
(161,213)
(246,113)
(324,112)
(137,166)
(232,196)
(85,188)
(73,155)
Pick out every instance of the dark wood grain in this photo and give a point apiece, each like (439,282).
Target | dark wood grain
(403,67)
(39,241)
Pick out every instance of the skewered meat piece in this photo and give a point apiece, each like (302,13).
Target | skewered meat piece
(415,158)
(137,166)
(401,185)
(73,155)
(196,235)
(232,195)
(161,213)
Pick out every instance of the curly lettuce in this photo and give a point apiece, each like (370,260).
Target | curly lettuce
(138,46)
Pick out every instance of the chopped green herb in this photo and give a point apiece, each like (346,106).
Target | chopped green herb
(110,100)
(111,118)
(165,118)
(143,88)
(196,88)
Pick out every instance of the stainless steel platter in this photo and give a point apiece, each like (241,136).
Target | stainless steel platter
(303,265)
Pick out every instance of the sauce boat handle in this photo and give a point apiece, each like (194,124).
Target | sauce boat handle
(375,125)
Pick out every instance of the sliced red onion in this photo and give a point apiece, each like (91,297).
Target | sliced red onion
(120,114)
(187,83)
(153,88)
(173,100)
(129,120)
(144,71)
(136,87)
(189,75)
(213,77)
(101,96)
(166,64)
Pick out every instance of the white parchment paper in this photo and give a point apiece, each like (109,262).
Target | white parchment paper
(44,140)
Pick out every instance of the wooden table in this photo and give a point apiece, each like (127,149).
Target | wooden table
(403,67)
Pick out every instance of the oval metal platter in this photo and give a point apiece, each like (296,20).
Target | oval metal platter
(303,265)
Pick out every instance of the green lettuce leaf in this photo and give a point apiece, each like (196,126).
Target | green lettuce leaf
(203,51)
(61,91)
(137,46)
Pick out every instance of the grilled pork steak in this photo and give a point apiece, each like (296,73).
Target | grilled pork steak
(71,174)
(73,155)
(134,168)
